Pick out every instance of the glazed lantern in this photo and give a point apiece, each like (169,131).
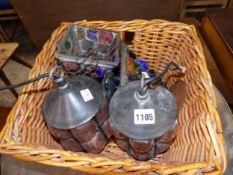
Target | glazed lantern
(143,121)
(76,113)
(88,46)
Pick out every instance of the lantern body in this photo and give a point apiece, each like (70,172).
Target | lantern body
(144,149)
(76,114)
(145,125)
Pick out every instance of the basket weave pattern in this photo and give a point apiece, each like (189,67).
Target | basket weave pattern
(199,145)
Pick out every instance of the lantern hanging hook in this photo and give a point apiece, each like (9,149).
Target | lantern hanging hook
(143,87)
(57,78)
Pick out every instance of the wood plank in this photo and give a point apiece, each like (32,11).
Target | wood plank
(3,35)
(196,10)
(20,61)
(201,3)
(7,18)
(41,18)
(8,83)
(6,51)
(230,4)
(222,21)
(217,29)
(8,12)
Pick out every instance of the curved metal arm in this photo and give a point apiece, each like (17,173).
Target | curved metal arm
(55,77)
(143,86)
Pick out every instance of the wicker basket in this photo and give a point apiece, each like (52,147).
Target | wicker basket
(199,145)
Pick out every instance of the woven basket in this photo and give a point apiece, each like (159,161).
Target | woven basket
(199,145)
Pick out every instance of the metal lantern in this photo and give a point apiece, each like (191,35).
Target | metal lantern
(76,113)
(143,121)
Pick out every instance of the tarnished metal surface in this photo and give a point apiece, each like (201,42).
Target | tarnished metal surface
(126,100)
(66,108)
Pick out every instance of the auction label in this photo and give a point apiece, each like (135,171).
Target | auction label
(144,116)
(86,94)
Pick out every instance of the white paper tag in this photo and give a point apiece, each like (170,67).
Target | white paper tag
(144,116)
(86,94)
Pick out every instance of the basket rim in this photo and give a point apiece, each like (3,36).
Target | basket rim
(27,152)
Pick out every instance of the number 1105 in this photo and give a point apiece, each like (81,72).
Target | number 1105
(144,117)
